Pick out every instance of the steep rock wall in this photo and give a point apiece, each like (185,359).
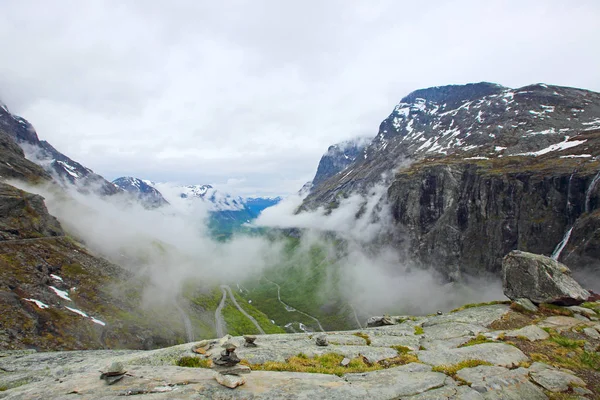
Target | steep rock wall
(464,217)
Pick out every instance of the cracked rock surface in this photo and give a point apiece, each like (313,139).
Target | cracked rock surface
(437,342)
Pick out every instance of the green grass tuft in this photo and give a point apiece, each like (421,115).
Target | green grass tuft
(566,342)
(451,370)
(592,360)
(479,339)
(419,330)
(194,362)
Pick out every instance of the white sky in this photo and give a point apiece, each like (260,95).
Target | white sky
(248,94)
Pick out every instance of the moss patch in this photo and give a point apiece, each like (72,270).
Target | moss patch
(419,330)
(364,336)
(331,364)
(451,370)
(477,340)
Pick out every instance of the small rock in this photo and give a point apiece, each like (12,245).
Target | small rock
(345,362)
(321,340)
(236,370)
(229,346)
(440,313)
(116,368)
(201,347)
(582,391)
(379,321)
(230,381)
(591,332)
(113,373)
(249,341)
(526,304)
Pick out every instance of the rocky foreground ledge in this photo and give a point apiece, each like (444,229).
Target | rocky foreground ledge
(494,351)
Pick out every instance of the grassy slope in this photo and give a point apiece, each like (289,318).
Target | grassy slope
(308,283)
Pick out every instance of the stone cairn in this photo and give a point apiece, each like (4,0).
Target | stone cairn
(227,371)
(113,373)
(249,341)
(321,340)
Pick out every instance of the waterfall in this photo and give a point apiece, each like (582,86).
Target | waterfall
(588,194)
(568,206)
(559,248)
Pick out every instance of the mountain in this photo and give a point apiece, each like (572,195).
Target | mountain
(338,157)
(54,292)
(66,170)
(145,193)
(218,200)
(474,171)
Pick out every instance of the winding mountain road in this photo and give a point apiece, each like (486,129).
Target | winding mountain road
(289,308)
(220,321)
(355,316)
(186,322)
(235,303)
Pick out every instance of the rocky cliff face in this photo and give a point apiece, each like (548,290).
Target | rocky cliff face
(338,157)
(477,170)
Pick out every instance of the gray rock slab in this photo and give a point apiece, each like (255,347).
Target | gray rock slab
(442,344)
(531,332)
(581,317)
(482,316)
(501,383)
(412,342)
(406,328)
(348,340)
(448,393)
(230,381)
(555,380)
(396,382)
(452,330)
(372,354)
(561,323)
(499,354)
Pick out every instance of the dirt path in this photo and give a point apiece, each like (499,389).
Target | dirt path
(219,321)
(235,303)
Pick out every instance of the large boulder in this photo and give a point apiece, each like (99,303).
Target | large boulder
(540,279)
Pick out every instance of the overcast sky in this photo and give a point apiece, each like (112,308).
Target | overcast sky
(249,94)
